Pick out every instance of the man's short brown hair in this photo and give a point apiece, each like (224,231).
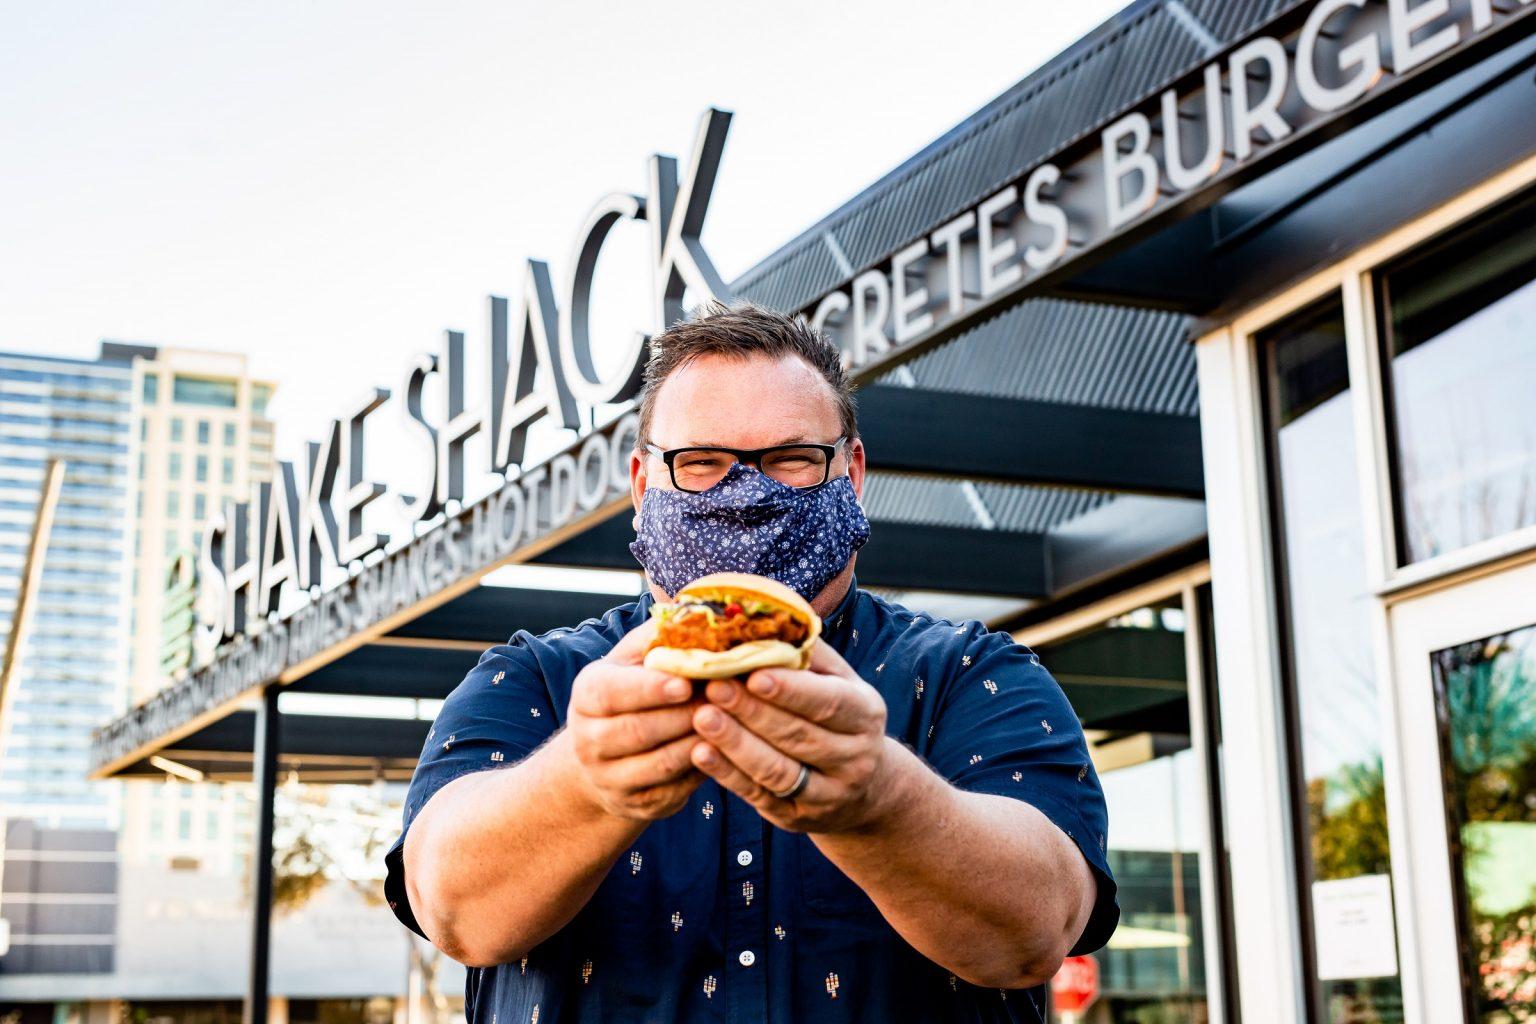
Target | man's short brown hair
(744,329)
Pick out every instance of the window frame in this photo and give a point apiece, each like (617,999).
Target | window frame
(1218,919)
(1247,579)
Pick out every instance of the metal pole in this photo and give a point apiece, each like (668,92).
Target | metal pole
(31,582)
(26,601)
(264,772)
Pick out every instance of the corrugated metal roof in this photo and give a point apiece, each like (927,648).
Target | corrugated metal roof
(929,501)
(1077,353)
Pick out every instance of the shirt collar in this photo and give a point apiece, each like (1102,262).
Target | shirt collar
(835,619)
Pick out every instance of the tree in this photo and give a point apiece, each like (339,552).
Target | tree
(338,834)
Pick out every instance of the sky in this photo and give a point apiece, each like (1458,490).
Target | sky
(328,186)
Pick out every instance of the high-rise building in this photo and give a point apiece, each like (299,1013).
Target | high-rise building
(132,897)
(152,439)
(58,889)
(206,438)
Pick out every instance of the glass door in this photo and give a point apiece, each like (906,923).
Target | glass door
(1464,658)
(1139,680)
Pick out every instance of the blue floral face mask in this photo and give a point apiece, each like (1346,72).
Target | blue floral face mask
(749,522)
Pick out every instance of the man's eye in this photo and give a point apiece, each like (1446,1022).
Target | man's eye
(699,460)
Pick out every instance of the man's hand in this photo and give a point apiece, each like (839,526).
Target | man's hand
(631,729)
(756,736)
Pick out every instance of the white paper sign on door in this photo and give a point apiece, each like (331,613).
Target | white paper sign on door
(1352,918)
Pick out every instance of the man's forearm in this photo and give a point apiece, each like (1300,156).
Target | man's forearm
(501,859)
(984,885)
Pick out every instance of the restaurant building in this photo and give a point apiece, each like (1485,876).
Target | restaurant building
(1201,360)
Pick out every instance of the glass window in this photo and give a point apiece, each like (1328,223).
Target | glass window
(213,826)
(1486,697)
(151,388)
(202,469)
(229,435)
(1459,321)
(143,430)
(203,428)
(260,395)
(174,467)
(184,824)
(177,428)
(156,823)
(141,465)
(173,503)
(171,542)
(227,472)
(1128,681)
(1334,716)
(198,391)
(200,506)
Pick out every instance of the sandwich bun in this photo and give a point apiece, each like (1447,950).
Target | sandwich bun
(697,663)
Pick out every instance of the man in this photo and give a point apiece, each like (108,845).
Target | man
(910,830)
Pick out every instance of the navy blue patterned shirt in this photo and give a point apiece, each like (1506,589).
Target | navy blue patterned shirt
(715,915)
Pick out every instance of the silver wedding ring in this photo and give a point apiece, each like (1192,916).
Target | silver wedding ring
(794,791)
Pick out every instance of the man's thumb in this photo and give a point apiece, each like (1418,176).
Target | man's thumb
(630,650)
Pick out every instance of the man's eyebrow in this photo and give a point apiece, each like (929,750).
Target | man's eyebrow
(791,439)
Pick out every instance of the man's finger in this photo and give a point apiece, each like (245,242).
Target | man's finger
(764,764)
(621,689)
(666,763)
(713,762)
(826,660)
(842,705)
(796,736)
(619,736)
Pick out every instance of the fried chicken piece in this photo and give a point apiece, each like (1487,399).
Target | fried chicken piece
(694,629)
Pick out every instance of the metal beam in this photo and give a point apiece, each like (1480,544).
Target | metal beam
(903,556)
(603,545)
(379,671)
(914,556)
(1010,440)
(267,736)
(316,736)
(492,614)
(323,748)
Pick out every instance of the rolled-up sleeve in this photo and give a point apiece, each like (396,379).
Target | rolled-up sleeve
(500,713)
(1006,728)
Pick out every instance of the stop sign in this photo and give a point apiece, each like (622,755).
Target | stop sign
(1076,985)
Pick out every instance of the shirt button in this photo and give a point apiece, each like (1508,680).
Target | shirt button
(744,858)
(747,958)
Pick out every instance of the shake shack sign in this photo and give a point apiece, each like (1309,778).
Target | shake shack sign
(1311,64)
(310,518)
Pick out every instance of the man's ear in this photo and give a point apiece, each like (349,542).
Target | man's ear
(855,450)
(637,484)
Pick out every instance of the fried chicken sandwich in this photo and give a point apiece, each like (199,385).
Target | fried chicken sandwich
(730,623)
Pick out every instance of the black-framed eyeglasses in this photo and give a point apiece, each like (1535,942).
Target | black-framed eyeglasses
(802,465)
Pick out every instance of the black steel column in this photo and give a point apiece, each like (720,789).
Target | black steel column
(264,773)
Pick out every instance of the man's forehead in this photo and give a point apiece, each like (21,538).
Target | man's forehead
(712,397)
